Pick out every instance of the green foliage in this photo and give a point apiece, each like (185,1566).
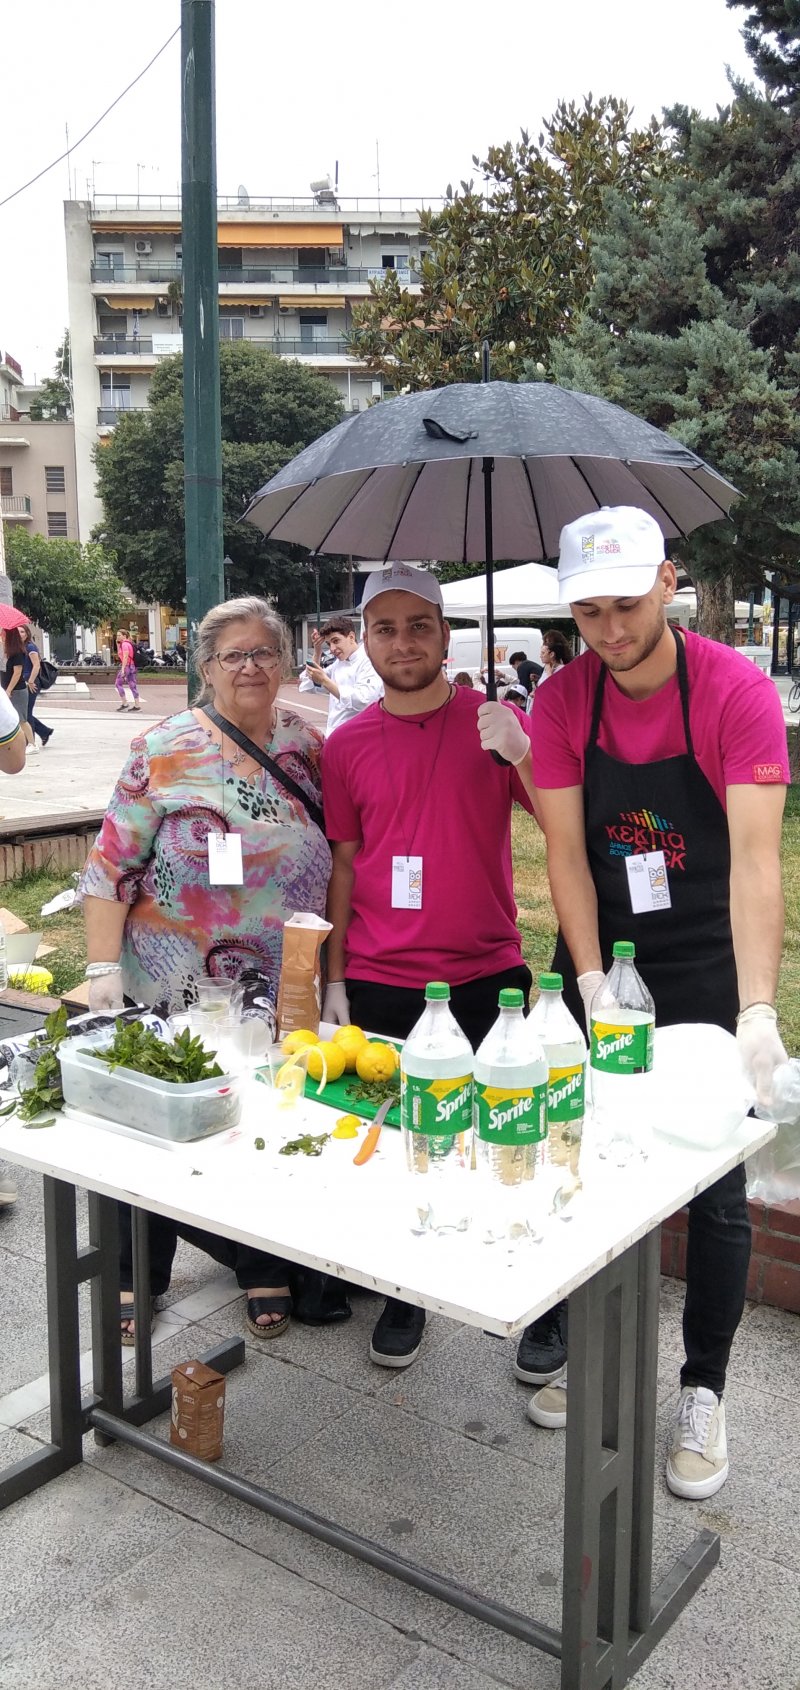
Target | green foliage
(55,397)
(271,408)
(692,322)
(57,582)
(512,263)
(45,1091)
(772,37)
(182,1061)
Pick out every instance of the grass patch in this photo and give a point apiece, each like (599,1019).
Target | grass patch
(24,897)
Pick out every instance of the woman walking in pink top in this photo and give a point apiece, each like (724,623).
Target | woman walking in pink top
(127,672)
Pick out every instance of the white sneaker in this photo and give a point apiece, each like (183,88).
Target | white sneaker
(697,1463)
(8,1193)
(548,1407)
(32,750)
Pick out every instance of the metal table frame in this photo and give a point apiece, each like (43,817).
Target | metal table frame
(611,1616)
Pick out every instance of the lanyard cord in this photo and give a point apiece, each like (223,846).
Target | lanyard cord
(409,848)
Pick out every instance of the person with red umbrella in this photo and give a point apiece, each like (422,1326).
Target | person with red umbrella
(17,672)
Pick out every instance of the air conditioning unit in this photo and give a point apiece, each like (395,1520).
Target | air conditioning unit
(257,310)
(163,308)
(143,249)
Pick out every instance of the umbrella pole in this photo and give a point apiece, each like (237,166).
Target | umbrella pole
(488,471)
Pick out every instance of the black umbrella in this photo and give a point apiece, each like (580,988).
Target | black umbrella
(473,472)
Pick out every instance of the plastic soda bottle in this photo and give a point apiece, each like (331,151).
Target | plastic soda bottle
(553,1027)
(436,1065)
(623,1019)
(510,1119)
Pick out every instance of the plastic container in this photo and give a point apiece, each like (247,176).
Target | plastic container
(622,1024)
(556,1031)
(510,1121)
(436,1115)
(180,1113)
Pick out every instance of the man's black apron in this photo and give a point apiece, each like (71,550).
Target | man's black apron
(685,953)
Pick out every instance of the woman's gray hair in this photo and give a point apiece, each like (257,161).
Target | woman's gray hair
(212,629)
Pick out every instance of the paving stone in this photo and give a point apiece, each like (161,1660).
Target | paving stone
(199,1610)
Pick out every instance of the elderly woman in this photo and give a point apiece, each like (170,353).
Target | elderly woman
(202,856)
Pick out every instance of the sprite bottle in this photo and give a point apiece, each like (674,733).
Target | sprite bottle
(622,1025)
(510,1120)
(436,1065)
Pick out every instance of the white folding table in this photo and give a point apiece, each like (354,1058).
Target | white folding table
(355,1222)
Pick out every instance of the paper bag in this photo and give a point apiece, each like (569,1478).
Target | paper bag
(299,994)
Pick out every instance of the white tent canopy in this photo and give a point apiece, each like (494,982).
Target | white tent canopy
(530,589)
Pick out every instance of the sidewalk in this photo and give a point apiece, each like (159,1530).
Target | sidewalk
(92,739)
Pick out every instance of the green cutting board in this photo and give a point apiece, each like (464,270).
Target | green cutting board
(334,1095)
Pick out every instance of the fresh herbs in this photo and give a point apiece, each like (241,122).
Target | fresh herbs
(44,1093)
(372,1091)
(182,1061)
(259,1143)
(308,1145)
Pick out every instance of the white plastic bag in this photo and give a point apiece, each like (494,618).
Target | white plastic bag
(700,1093)
(62,901)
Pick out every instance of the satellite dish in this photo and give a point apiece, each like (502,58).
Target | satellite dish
(321,186)
(243,198)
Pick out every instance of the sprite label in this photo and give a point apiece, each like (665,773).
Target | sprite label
(436,1107)
(511,1117)
(565,1094)
(622,1048)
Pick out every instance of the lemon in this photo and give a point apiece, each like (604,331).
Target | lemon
(326,1062)
(351,1040)
(376,1062)
(347,1126)
(299,1040)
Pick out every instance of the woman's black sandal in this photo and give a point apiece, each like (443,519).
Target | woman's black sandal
(127,1311)
(280,1305)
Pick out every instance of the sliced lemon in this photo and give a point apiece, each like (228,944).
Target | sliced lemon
(347,1126)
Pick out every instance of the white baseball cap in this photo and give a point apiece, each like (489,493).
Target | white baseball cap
(615,552)
(402,578)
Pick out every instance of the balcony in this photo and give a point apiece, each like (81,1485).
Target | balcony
(16,507)
(286,348)
(255,275)
(108,415)
(126,346)
(372,205)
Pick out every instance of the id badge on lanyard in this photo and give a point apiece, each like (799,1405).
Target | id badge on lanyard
(648,882)
(225,859)
(406,883)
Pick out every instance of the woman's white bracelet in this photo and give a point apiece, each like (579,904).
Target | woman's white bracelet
(94,970)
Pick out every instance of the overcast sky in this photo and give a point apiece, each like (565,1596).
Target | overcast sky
(298,89)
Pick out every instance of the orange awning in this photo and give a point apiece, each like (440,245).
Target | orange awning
(280,234)
(312,302)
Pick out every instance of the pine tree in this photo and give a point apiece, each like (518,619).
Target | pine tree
(694,318)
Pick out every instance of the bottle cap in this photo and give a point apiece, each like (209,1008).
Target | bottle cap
(551,982)
(624,947)
(436,989)
(511,998)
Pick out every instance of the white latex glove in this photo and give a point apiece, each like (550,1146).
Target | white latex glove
(760,1048)
(501,730)
(105,994)
(587,986)
(335,1006)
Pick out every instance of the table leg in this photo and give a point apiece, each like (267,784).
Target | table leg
(66,1268)
(611,1621)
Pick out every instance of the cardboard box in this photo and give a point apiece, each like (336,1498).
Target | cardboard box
(198,1410)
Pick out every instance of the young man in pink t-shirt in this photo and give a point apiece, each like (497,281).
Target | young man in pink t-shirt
(419,819)
(667,745)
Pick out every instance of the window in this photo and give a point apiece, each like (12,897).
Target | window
(313,325)
(7,482)
(109,260)
(115,391)
(56,525)
(231,328)
(54,478)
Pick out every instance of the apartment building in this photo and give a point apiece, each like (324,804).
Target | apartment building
(290,272)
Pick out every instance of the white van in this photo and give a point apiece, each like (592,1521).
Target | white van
(466,652)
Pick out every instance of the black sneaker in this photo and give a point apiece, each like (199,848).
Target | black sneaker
(542,1349)
(398,1335)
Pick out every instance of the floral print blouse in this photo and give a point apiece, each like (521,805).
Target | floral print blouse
(152,853)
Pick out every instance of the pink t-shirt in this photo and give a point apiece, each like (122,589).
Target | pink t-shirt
(735,715)
(125,653)
(404,788)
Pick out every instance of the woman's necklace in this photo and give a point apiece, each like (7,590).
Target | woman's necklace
(238,755)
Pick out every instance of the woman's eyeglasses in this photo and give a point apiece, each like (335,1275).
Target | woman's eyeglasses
(263,657)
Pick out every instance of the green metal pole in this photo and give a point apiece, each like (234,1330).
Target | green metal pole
(201,403)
